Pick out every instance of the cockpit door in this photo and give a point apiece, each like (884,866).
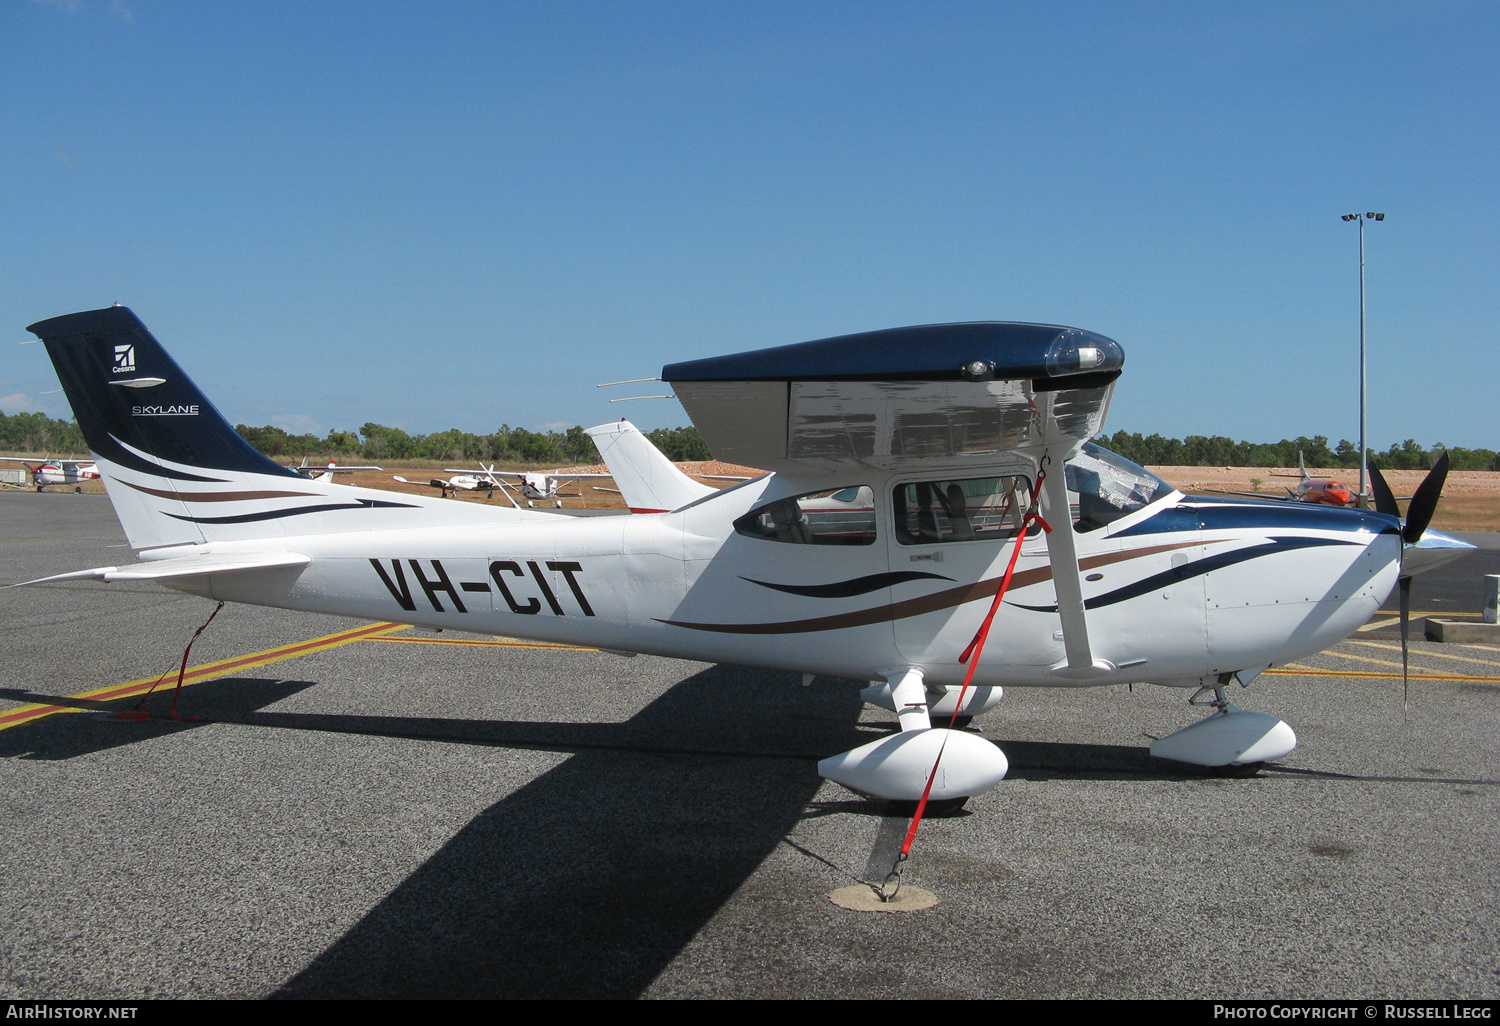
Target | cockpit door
(948,541)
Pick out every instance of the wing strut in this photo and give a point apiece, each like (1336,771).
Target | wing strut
(1063,552)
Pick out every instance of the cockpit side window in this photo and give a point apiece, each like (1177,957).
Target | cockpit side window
(836,516)
(966,509)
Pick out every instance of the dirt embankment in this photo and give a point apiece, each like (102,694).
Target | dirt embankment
(1471,498)
(585,492)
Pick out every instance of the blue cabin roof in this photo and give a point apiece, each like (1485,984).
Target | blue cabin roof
(972,351)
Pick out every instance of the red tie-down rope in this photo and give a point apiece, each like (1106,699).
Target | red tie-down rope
(139,711)
(971,656)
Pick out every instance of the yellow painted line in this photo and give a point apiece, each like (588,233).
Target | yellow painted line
(481,644)
(1368,659)
(198,674)
(1354,657)
(1298,670)
(1448,613)
(1375,625)
(1428,653)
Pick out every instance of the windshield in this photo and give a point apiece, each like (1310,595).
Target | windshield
(1109,487)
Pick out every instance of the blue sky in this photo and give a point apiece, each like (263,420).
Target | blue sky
(462,215)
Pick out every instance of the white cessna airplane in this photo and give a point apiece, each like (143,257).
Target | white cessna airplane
(57,472)
(535,486)
(908,468)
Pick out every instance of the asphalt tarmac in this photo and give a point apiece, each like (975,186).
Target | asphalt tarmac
(402,814)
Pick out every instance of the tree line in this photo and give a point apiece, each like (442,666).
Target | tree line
(1219,451)
(376,442)
(38,433)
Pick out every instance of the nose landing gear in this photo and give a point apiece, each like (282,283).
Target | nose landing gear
(1234,742)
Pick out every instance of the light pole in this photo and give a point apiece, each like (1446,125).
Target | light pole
(1364,493)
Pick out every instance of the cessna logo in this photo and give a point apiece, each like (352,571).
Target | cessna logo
(164,411)
(124,359)
(510,581)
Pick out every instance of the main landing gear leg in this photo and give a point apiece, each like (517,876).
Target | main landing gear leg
(1233,742)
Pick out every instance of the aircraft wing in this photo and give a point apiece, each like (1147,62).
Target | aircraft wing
(186,566)
(938,398)
(312,471)
(932,397)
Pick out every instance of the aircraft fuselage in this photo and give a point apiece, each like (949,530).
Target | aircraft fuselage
(1176,591)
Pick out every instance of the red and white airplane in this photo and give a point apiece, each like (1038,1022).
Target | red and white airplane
(1324,491)
(928,487)
(45,473)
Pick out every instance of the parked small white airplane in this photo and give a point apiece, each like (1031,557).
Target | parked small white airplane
(459,482)
(534,486)
(326,473)
(900,523)
(57,472)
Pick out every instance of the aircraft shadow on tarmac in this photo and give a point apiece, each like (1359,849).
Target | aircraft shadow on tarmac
(588,881)
(592,878)
(101,728)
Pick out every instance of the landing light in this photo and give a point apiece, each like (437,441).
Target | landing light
(1078,352)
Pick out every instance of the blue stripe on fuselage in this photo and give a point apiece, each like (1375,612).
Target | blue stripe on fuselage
(1225,514)
(1198,568)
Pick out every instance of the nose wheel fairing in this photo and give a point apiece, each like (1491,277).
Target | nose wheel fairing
(1230,737)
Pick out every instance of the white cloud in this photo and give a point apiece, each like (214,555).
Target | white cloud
(297,424)
(52,405)
(120,11)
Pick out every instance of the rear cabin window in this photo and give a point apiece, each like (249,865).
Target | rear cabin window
(838,516)
(966,509)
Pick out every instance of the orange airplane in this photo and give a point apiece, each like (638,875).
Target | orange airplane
(1323,490)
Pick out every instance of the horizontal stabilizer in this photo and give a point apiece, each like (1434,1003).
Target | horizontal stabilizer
(187,566)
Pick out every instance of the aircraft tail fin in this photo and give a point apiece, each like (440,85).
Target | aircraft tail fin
(176,471)
(649,482)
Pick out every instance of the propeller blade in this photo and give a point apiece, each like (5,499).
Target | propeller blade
(1405,587)
(1385,499)
(1424,502)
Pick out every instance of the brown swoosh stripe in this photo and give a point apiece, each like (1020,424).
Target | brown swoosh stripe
(162,493)
(944,599)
